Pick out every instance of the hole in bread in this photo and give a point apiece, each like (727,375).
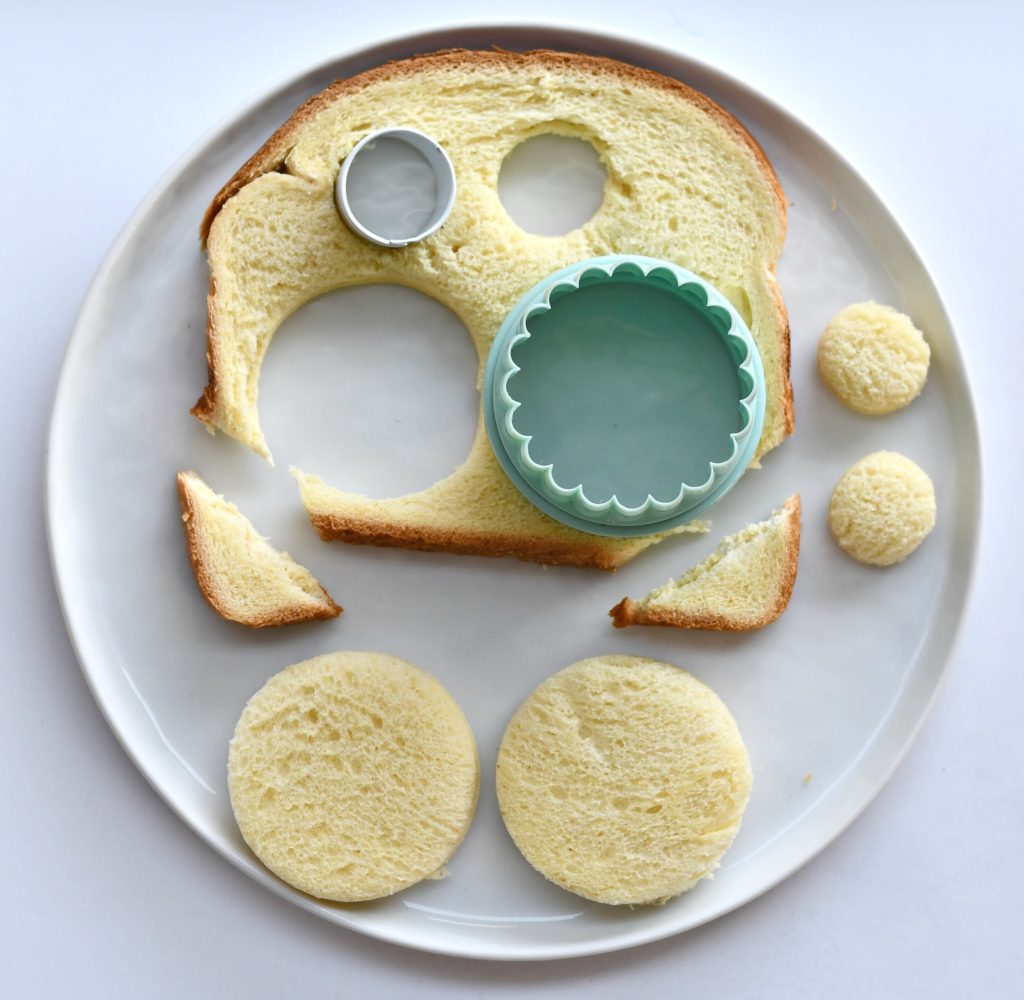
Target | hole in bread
(552,184)
(374,387)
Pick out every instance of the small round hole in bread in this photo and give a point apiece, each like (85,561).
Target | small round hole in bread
(551,184)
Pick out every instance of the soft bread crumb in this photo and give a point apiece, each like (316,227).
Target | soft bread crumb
(873,358)
(685,182)
(745,584)
(623,780)
(353,775)
(882,508)
(241,575)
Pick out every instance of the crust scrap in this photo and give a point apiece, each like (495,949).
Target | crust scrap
(629,612)
(206,576)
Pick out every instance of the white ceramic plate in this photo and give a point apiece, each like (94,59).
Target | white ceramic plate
(828,698)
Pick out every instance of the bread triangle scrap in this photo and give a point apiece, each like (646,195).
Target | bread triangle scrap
(743,585)
(242,576)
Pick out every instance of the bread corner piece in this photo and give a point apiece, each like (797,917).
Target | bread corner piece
(745,584)
(244,578)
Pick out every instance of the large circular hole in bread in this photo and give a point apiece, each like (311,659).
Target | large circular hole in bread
(374,387)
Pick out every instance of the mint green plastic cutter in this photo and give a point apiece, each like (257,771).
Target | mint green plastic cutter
(624,395)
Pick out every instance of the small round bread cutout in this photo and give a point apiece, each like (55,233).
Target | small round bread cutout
(623,780)
(353,775)
(396,187)
(873,358)
(882,509)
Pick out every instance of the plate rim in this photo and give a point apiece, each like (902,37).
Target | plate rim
(596,37)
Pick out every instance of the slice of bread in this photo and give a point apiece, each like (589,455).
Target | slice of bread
(744,584)
(623,779)
(242,577)
(686,182)
(353,775)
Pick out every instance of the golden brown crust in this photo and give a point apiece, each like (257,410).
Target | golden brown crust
(272,154)
(204,576)
(207,402)
(590,551)
(784,358)
(629,612)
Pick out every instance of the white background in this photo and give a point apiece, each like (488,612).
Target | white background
(106,893)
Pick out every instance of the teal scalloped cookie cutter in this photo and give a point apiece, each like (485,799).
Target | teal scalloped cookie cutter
(624,395)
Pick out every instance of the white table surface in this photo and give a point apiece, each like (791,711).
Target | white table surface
(106,893)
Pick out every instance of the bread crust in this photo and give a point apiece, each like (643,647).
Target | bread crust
(629,612)
(205,576)
(271,155)
(588,551)
(788,418)
(207,402)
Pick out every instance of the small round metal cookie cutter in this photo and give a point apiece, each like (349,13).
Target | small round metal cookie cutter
(395,187)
